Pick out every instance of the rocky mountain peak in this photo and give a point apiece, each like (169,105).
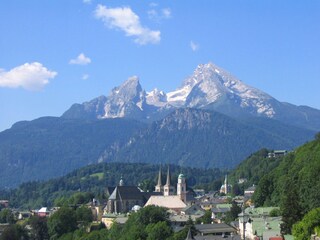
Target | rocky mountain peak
(209,87)
(128,90)
(156,98)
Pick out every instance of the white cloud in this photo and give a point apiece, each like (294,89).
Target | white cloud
(30,76)
(194,46)
(125,19)
(85,76)
(80,60)
(165,13)
(87,1)
(153,4)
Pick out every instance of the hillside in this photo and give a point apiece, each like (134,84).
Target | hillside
(299,169)
(293,185)
(49,147)
(97,177)
(193,137)
(254,168)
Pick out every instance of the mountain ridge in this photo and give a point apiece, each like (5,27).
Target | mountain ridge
(196,137)
(209,87)
(203,123)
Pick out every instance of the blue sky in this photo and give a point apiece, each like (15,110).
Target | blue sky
(55,53)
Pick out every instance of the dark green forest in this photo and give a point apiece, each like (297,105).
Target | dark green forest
(291,182)
(96,178)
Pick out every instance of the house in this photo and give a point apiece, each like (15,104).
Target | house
(277,153)
(222,229)
(43,212)
(193,210)
(250,190)
(261,224)
(219,213)
(177,221)
(199,192)
(109,219)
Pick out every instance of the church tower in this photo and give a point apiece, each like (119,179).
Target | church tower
(121,182)
(159,187)
(182,188)
(226,185)
(168,189)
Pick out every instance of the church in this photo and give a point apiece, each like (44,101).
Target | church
(168,198)
(226,188)
(124,198)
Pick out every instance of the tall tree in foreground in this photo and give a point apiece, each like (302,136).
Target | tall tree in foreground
(61,222)
(290,207)
(39,228)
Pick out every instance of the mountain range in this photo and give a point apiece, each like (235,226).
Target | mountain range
(212,120)
(209,87)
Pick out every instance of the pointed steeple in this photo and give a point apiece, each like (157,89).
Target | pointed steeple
(159,177)
(168,189)
(168,177)
(159,187)
(226,184)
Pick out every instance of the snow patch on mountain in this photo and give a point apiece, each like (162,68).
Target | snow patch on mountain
(156,98)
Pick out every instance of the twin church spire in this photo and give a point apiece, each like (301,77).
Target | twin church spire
(168,189)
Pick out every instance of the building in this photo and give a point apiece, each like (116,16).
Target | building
(109,219)
(173,202)
(182,188)
(168,189)
(261,225)
(277,153)
(43,212)
(225,188)
(167,198)
(159,187)
(221,229)
(123,198)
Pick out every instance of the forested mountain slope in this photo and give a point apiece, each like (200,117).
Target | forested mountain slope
(49,147)
(294,184)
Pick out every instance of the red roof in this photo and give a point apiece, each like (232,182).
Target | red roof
(276,238)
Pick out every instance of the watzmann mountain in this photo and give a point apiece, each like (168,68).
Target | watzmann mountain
(209,87)
(212,120)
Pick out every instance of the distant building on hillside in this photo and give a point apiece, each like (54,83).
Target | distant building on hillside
(277,153)
(43,212)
